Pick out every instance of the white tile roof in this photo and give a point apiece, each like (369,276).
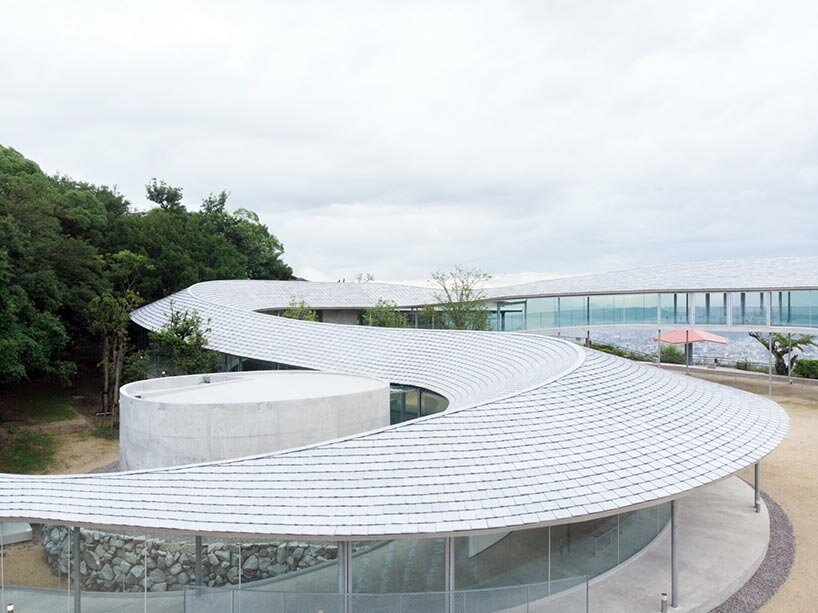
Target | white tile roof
(538,431)
(729,275)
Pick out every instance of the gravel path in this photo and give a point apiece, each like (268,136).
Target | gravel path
(107,468)
(773,571)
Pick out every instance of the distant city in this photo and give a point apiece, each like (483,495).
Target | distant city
(740,346)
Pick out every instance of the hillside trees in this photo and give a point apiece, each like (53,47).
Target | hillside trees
(64,242)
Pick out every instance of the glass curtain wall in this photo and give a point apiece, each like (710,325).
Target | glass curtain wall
(711,308)
(408,402)
(559,552)
(674,308)
(749,308)
(798,308)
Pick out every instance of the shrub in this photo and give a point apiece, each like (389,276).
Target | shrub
(671,354)
(806,368)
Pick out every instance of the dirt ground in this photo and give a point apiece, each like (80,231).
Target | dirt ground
(789,476)
(80,452)
(76,452)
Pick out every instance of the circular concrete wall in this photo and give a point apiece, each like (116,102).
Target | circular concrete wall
(197,418)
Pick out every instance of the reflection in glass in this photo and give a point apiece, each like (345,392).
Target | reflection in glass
(405,565)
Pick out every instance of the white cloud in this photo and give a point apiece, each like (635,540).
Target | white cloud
(400,138)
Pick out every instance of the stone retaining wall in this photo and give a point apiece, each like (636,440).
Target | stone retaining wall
(116,563)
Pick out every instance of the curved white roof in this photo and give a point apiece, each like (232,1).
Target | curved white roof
(538,431)
(790,273)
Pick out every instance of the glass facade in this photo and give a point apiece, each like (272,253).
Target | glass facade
(749,308)
(407,402)
(710,308)
(400,566)
(791,308)
(558,552)
(798,308)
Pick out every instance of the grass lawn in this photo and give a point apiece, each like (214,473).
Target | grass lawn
(37,403)
(27,452)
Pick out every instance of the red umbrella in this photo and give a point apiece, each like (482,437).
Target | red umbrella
(682,337)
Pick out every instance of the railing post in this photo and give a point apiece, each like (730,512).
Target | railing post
(448,549)
(674,567)
(198,554)
(77,577)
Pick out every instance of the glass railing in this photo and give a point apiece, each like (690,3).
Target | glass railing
(560,596)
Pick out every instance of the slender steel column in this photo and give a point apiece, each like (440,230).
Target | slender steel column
(659,348)
(674,566)
(789,358)
(77,584)
(344,573)
(757,486)
(770,367)
(448,549)
(198,554)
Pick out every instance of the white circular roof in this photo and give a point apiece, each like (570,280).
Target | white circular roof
(250,387)
(538,431)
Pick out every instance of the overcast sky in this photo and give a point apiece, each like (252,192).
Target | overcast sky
(403,137)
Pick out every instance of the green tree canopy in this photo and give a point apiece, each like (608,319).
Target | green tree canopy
(786,349)
(299,309)
(66,247)
(385,315)
(460,300)
(183,341)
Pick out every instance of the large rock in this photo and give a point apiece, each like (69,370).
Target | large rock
(138,571)
(107,573)
(157,576)
(251,563)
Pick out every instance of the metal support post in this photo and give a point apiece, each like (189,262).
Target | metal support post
(77,577)
(448,549)
(659,348)
(198,554)
(344,573)
(789,358)
(770,366)
(688,352)
(757,486)
(674,566)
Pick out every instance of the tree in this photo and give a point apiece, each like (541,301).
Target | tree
(460,301)
(785,349)
(183,339)
(109,315)
(166,196)
(385,315)
(299,309)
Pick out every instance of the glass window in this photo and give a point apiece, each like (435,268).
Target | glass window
(573,311)
(795,308)
(542,313)
(602,310)
(749,308)
(638,308)
(513,558)
(674,308)
(431,403)
(400,566)
(711,308)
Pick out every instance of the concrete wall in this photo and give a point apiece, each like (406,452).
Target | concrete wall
(166,431)
(339,317)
